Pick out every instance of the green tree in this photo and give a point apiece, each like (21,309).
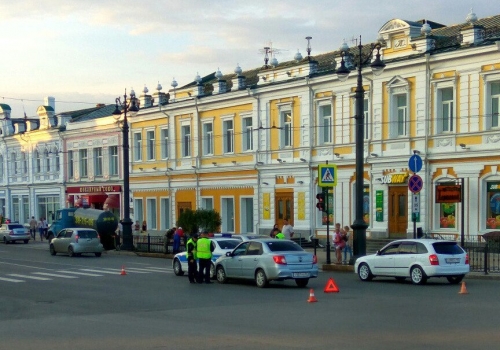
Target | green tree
(201,219)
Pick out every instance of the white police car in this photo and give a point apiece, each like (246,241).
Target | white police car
(221,246)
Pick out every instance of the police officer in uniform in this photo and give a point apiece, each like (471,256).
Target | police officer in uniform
(192,256)
(204,249)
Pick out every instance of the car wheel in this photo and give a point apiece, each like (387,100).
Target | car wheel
(417,275)
(400,279)
(5,241)
(261,279)
(98,254)
(212,271)
(178,268)
(455,279)
(52,250)
(26,241)
(71,252)
(364,272)
(302,282)
(221,275)
(51,237)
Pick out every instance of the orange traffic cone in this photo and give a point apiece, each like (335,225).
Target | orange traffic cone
(312,298)
(123,273)
(463,289)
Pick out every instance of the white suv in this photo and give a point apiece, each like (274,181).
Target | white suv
(417,259)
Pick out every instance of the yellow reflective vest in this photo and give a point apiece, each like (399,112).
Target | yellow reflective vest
(194,248)
(203,248)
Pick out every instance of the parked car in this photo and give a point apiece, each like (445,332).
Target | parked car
(242,237)
(14,232)
(418,259)
(221,246)
(265,260)
(76,241)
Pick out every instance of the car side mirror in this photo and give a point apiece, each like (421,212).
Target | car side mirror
(378,252)
(228,254)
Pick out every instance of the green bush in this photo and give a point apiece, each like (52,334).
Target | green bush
(199,220)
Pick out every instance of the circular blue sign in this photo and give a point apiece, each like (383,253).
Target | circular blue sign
(415,183)
(415,163)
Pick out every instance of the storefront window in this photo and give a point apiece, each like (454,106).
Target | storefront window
(15,209)
(447,214)
(47,206)
(493,207)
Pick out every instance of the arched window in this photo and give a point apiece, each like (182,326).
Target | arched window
(38,162)
(24,163)
(15,163)
(46,155)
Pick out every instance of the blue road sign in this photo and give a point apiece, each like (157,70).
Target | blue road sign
(415,183)
(415,163)
(327,175)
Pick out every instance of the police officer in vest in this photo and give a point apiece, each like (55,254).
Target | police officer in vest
(204,249)
(192,256)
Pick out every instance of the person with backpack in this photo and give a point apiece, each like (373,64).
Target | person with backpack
(346,236)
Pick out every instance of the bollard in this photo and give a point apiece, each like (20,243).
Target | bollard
(315,243)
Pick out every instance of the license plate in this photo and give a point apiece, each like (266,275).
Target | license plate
(301,274)
(452,260)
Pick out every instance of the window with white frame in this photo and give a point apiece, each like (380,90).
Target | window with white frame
(150,139)
(46,156)
(137,146)
(325,123)
(151,205)
(15,163)
(445,119)
(1,169)
(495,103)
(164,143)
(98,161)
(247,133)
(113,160)
(58,161)
(83,163)
(186,140)
(398,89)
(286,125)
(138,210)
(38,162)
(24,163)
(207,203)
(71,169)
(208,138)
(164,213)
(247,215)
(228,136)
(227,214)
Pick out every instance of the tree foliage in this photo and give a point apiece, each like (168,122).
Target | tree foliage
(199,220)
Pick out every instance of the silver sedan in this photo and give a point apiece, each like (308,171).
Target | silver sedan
(265,260)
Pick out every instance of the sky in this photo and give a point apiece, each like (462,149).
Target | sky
(84,52)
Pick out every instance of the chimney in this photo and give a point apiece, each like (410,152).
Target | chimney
(50,101)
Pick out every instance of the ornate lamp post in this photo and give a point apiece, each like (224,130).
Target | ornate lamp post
(359,226)
(132,108)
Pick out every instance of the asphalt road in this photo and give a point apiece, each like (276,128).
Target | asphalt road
(151,308)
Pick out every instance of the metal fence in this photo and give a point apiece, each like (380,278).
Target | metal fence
(483,257)
(153,244)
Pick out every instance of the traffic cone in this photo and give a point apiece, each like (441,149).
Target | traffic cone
(312,298)
(463,289)
(123,273)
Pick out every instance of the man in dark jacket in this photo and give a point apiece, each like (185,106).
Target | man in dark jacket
(191,257)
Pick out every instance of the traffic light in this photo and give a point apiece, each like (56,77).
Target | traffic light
(321,201)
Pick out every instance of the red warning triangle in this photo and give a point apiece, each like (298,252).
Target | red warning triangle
(331,286)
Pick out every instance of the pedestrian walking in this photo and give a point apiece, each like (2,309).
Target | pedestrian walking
(287,229)
(33,225)
(204,249)
(39,225)
(346,236)
(339,243)
(45,227)
(192,256)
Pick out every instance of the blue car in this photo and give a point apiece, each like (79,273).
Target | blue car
(221,246)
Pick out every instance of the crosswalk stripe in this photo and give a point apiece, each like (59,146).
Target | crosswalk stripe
(29,277)
(53,275)
(132,269)
(81,273)
(10,280)
(117,272)
(155,270)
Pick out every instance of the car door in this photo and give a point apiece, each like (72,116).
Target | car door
(250,259)
(383,264)
(2,231)
(406,257)
(62,241)
(233,263)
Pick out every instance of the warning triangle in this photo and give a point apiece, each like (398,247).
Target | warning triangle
(331,286)
(327,176)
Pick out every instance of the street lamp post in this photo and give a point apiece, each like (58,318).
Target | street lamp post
(131,106)
(359,226)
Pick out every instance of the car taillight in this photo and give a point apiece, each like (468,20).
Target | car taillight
(279,259)
(315,259)
(76,238)
(11,233)
(466,259)
(434,260)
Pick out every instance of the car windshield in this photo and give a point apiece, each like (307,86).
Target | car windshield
(87,234)
(283,246)
(447,248)
(15,226)
(227,244)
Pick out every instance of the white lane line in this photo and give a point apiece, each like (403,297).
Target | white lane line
(30,277)
(81,273)
(53,275)
(117,272)
(10,280)
(133,270)
(155,270)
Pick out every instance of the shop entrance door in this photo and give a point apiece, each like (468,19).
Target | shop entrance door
(284,208)
(398,211)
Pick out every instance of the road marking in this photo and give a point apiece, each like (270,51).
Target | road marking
(10,280)
(81,273)
(117,272)
(154,269)
(53,275)
(30,277)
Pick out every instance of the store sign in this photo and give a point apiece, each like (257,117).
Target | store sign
(379,203)
(395,178)
(94,189)
(493,187)
(448,193)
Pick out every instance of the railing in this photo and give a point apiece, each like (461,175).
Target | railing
(153,244)
(483,257)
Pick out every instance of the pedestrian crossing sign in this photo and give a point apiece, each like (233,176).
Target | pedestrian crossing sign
(327,175)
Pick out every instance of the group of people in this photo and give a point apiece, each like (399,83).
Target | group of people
(42,226)
(199,248)
(341,243)
(175,234)
(285,233)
